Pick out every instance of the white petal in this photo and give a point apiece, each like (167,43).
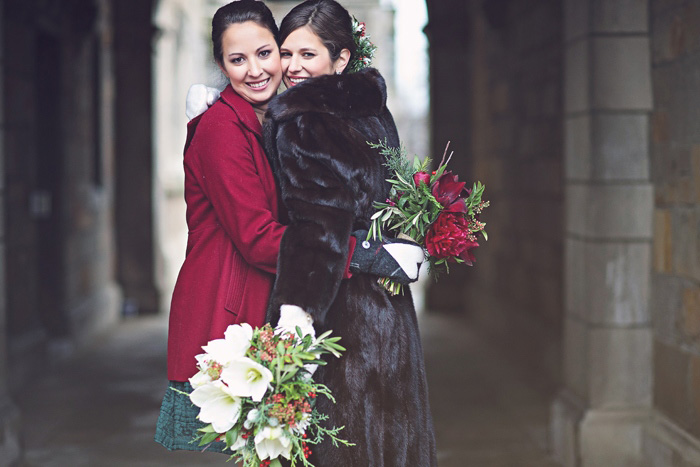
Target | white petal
(253,414)
(239,443)
(200,379)
(238,336)
(221,351)
(247,378)
(217,405)
(272,442)
(202,360)
(239,332)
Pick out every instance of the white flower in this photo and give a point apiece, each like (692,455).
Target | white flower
(239,333)
(234,345)
(223,351)
(218,405)
(240,442)
(203,360)
(247,378)
(200,379)
(272,442)
(253,414)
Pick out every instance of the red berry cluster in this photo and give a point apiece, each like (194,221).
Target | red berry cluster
(287,413)
(267,341)
(265,463)
(305,447)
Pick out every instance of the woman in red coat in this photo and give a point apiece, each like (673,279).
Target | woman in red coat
(232,210)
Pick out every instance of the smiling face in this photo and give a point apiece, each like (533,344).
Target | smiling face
(251,62)
(304,56)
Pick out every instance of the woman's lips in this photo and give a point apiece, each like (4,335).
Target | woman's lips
(294,80)
(259,85)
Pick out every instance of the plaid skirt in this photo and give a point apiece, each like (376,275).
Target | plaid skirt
(177,423)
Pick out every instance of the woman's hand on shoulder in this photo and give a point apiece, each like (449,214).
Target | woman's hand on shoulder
(199,99)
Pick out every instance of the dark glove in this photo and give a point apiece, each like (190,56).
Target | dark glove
(394,258)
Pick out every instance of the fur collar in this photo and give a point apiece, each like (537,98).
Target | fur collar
(352,95)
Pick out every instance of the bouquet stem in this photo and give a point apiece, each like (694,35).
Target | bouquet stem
(394,288)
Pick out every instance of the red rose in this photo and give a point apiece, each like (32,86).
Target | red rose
(446,191)
(448,237)
(419,177)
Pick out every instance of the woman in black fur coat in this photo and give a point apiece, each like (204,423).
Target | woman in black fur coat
(316,136)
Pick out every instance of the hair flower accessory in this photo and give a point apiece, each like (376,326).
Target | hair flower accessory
(364,49)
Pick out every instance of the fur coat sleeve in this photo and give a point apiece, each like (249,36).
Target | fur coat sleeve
(316,138)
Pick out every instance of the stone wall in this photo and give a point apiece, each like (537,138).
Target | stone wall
(9,416)
(517,150)
(675,170)
(138,262)
(605,402)
(57,178)
(502,110)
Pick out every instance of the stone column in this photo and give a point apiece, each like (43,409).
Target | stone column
(597,419)
(449,33)
(137,261)
(9,414)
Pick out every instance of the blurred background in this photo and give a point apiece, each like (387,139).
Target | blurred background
(575,339)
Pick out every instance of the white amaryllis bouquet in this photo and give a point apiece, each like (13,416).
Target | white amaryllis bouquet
(255,390)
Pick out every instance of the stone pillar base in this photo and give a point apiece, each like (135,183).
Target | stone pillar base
(566,414)
(665,444)
(613,437)
(9,433)
(583,437)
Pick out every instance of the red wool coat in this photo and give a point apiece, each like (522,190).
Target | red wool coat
(234,235)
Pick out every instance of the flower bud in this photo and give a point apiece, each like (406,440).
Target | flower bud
(419,177)
(253,414)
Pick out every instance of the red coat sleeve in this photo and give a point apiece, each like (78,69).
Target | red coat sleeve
(229,176)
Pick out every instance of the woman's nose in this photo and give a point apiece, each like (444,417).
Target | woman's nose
(294,63)
(254,68)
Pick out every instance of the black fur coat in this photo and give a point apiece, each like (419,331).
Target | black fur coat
(316,137)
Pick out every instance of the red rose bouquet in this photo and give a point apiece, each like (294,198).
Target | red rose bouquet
(434,209)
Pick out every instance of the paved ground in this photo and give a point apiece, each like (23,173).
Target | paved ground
(100,407)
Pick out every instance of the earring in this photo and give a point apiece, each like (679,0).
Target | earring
(337,72)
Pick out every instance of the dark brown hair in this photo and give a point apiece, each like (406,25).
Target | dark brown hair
(236,12)
(328,19)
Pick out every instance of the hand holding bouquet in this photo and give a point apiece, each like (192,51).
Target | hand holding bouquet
(434,209)
(256,394)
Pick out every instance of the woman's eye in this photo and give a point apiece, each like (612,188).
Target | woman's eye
(265,53)
(285,54)
(308,55)
(237,60)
